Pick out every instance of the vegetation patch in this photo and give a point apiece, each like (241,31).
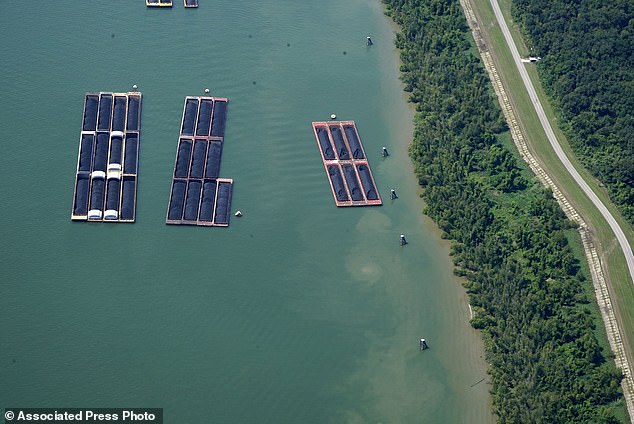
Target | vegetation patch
(588,51)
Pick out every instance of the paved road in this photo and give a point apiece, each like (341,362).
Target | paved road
(618,232)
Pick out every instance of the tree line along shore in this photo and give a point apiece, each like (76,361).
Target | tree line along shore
(530,296)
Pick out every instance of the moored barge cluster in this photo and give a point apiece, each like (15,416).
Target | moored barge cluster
(198,195)
(346,164)
(107,163)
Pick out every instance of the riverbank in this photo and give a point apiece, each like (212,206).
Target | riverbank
(509,234)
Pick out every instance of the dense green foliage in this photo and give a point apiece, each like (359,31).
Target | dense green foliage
(524,282)
(588,70)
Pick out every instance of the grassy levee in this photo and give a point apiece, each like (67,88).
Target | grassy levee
(621,286)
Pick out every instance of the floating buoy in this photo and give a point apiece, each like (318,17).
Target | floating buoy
(393,194)
(369,41)
(384,152)
(423,344)
(238,213)
(206,91)
(403,241)
(333,116)
(134,87)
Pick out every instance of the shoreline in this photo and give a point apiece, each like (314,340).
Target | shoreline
(505,252)
(410,191)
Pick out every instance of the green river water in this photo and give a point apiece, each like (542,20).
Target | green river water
(299,312)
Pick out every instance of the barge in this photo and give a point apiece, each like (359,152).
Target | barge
(158,3)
